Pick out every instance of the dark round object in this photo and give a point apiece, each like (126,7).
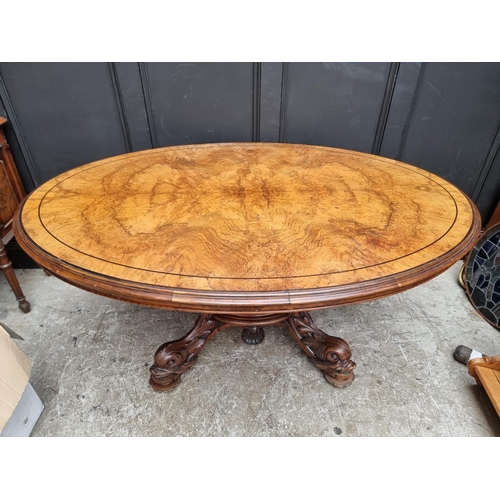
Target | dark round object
(462,354)
(482,276)
(253,334)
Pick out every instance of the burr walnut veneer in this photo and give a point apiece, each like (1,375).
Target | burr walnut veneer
(247,235)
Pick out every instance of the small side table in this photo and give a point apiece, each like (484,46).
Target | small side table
(11,194)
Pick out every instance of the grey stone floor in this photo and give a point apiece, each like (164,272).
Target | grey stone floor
(91,359)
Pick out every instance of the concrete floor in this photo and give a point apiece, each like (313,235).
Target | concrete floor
(91,359)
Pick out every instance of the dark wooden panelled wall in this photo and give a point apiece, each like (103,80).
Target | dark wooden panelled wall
(443,117)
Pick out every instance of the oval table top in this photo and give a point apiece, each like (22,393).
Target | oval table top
(246,227)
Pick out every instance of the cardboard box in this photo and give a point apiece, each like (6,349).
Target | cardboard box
(25,416)
(20,407)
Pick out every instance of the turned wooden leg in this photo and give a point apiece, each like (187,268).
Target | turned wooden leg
(6,267)
(172,359)
(332,355)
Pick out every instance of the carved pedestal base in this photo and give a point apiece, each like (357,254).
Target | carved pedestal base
(253,335)
(172,359)
(331,355)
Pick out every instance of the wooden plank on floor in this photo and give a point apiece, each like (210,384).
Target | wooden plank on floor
(486,371)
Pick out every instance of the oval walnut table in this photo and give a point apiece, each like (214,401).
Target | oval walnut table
(247,235)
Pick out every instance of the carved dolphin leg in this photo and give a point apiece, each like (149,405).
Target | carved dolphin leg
(172,359)
(332,355)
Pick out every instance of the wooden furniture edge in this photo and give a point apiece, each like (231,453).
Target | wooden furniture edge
(486,372)
(244,302)
(14,177)
(16,194)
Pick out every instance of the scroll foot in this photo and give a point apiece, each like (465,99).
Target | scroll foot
(331,355)
(172,359)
